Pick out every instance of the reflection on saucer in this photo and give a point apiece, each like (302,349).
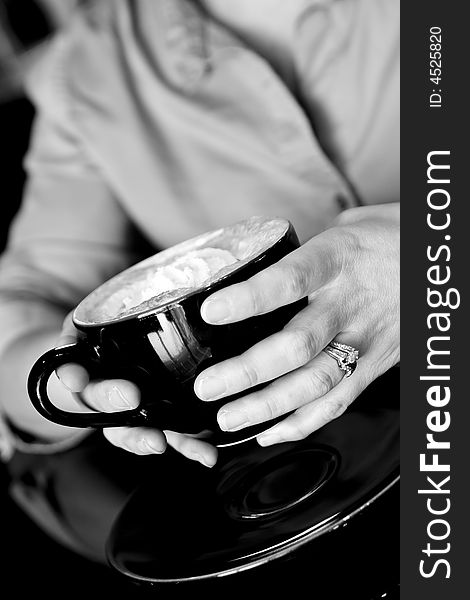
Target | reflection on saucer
(259,504)
(277,480)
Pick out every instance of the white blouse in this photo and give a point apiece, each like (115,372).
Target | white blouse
(154,117)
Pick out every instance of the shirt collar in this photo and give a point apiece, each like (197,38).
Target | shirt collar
(192,40)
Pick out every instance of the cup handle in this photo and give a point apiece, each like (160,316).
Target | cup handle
(37,390)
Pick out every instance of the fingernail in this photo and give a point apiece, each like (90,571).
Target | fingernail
(202,460)
(210,388)
(117,399)
(233,420)
(215,311)
(147,446)
(69,388)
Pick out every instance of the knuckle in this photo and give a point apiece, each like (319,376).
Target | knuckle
(249,372)
(255,299)
(344,217)
(320,382)
(297,431)
(295,280)
(334,408)
(302,346)
(348,248)
(348,218)
(273,407)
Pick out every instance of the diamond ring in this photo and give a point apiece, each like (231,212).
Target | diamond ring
(345,356)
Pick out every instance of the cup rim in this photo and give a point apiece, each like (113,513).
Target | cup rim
(164,306)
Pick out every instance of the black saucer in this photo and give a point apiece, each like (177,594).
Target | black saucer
(187,523)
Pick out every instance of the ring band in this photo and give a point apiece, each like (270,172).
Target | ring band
(346,356)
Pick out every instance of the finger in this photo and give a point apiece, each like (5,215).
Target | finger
(318,413)
(112,395)
(282,396)
(69,333)
(138,440)
(193,448)
(73,376)
(296,345)
(295,276)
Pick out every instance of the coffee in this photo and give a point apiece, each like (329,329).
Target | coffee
(176,272)
(156,284)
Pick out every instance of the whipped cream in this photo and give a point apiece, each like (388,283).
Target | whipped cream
(171,274)
(188,272)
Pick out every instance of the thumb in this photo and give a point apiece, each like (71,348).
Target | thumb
(73,376)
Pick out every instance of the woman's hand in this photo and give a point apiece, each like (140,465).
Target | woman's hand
(120,394)
(350,274)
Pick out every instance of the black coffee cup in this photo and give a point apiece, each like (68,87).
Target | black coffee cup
(162,344)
